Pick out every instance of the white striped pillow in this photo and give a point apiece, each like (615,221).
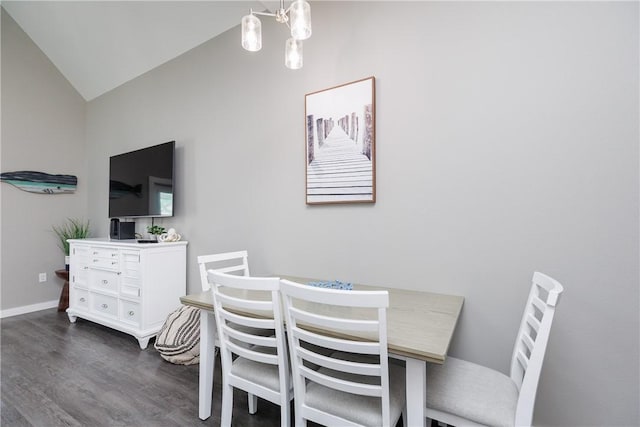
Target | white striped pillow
(178,341)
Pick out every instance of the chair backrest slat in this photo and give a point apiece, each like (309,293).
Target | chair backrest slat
(533,322)
(232,269)
(256,356)
(528,341)
(332,322)
(261,340)
(336,344)
(251,322)
(538,303)
(342,385)
(372,369)
(243,303)
(523,359)
(343,298)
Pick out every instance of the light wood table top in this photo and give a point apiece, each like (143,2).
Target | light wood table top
(420,324)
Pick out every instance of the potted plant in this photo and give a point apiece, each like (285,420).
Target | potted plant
(72,229)
(155,231)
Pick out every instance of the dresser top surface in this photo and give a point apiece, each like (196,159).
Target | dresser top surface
(105,241)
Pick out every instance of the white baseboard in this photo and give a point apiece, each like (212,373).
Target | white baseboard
(28,309)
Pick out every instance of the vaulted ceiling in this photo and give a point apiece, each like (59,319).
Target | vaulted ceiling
(99,45)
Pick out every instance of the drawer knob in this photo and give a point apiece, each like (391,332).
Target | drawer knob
(105,306)
(105,281)
(82,299)
(131,313)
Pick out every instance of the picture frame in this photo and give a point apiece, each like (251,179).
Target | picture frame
(340,144)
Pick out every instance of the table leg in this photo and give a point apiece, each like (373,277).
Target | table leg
(207,362)
(416,371)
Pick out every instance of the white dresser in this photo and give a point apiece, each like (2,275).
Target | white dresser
(126,285)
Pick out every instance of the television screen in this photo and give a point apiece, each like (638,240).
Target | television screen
(141,182)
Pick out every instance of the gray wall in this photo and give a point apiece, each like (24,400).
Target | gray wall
(507,142)
(43,129)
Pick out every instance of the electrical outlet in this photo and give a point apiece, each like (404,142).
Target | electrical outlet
(42,277)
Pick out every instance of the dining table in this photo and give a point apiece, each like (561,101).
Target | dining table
(420,327)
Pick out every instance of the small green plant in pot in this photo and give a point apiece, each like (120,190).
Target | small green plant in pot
(155,230)
(71,229)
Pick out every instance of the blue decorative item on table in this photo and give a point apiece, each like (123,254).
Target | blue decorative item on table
(335,284)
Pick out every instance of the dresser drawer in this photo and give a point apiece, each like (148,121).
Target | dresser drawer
(104,280)
(104,304)
(80,299)
(104,258)
(130,288)
(80,275)
(105,263)
(130,263)
(130,312)
(97,251)
(80,252)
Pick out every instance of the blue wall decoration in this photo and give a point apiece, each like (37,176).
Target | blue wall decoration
(40,182)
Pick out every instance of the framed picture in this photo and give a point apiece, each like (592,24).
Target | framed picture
(340,144)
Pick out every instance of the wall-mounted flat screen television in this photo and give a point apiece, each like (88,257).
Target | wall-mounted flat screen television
(141,182)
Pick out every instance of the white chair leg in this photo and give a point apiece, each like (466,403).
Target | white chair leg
(285,414)
(300,422)
(227,406)
(253,403)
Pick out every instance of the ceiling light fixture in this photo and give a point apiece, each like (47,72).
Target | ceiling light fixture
(297,17)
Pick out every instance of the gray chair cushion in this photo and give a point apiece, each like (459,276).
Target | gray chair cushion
(472,391)
(259,373)
(359,409)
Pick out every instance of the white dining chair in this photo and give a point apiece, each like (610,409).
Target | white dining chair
(462,393)
(257,363)
(227,262)
(237,263)
(355,385)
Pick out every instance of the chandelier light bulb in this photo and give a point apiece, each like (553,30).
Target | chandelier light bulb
(293,54)
(251,33)
(300,20)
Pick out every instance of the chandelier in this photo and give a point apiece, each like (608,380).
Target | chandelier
(297,17)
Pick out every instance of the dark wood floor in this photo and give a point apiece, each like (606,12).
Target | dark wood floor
(54,373)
